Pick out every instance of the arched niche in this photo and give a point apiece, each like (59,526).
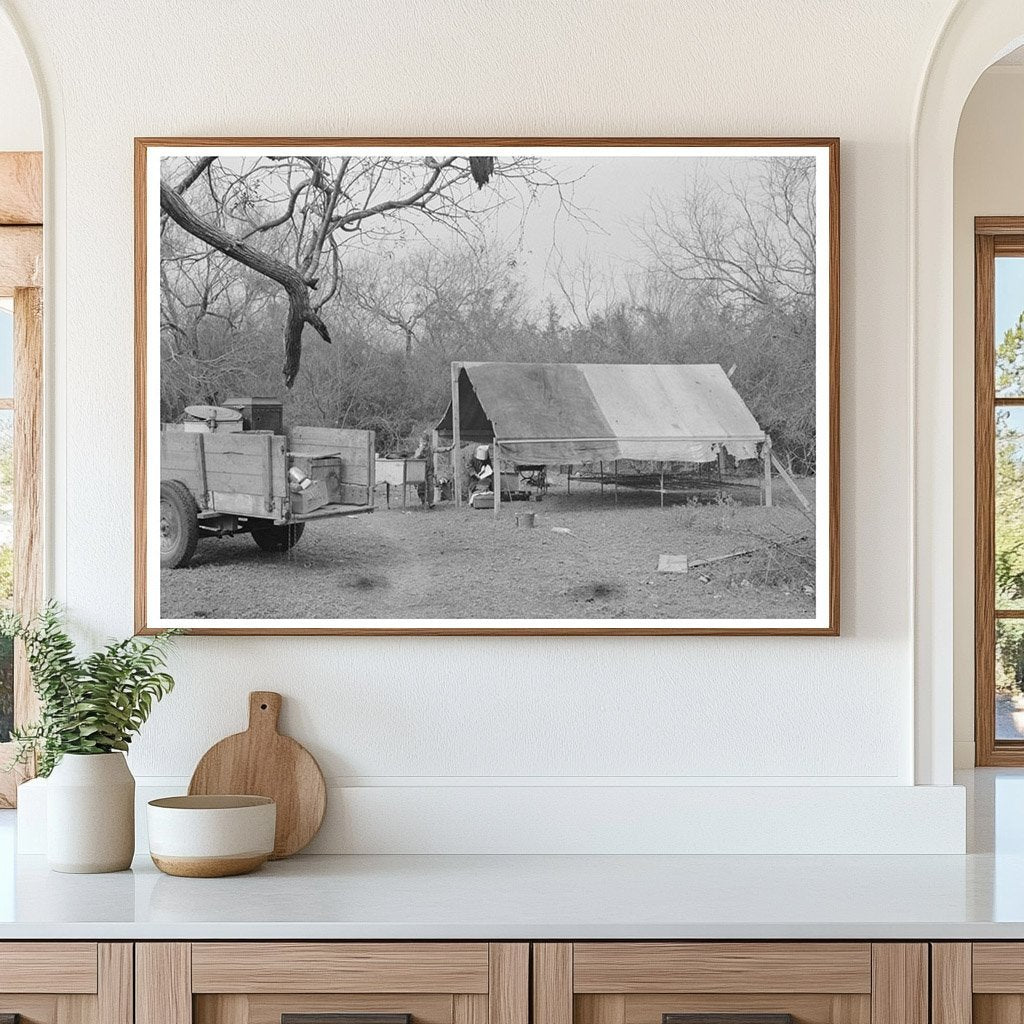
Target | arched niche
(975,35)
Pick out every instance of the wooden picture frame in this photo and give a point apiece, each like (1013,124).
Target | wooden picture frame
(824,621)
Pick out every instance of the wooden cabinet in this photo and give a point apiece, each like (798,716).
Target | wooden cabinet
(752,982)
(494,983)
(66,982)
(978,983)
(311,982)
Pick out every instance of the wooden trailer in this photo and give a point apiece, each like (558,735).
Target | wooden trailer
(220,483)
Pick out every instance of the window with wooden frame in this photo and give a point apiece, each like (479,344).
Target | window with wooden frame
(21,367)
(999,490)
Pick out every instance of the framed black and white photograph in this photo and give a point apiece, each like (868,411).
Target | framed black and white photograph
(487,386)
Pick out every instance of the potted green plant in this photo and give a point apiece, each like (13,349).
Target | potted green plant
(90,708)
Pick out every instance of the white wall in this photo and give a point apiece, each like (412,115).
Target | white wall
(433,714)
(20,124)
(987,181)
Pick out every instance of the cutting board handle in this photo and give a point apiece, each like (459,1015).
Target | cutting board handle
(264,710)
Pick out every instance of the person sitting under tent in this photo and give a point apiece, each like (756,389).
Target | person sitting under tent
(481,471)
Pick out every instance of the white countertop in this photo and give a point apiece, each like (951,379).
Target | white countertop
(516,897)
(977,896)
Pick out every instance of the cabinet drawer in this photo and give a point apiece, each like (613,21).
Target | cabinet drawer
(730,983)
(65,967)
(332,983)
(633,967)
(340,967)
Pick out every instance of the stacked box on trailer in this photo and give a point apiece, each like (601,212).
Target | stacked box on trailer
(344,457)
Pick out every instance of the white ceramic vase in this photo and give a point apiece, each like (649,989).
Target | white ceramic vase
(90,814)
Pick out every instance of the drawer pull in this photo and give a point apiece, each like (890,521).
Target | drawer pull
(340,1018)
(727,1018)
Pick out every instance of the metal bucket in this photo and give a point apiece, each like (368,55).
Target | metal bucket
(526,519)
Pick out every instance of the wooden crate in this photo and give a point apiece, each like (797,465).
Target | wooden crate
(325,469)
(353,447)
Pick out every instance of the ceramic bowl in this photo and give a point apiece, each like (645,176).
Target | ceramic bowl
(211,836)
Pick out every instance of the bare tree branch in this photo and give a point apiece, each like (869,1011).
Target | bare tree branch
(300,312)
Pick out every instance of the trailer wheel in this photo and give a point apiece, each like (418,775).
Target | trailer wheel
(278,538)
(179,524)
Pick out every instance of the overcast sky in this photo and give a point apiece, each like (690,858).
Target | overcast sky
(613,195)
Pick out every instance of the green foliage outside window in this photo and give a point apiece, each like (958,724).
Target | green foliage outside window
(1009,509)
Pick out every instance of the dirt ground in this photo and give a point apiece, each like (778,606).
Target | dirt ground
(587,557)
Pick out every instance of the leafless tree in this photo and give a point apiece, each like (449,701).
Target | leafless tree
(440,298)
(749,239)
(288,218)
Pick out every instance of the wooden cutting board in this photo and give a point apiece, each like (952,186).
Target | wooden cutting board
(262,762)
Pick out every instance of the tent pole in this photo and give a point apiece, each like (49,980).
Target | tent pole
(662,486)
(496,466)
(615,481)
(721,470)
(766,454)
(456,436)
(601,465)
(435,490)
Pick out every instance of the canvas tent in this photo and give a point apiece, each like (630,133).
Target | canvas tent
(571,413)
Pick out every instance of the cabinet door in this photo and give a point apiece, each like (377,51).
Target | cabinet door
(332,983)
(730,983)
(981,982)
(65,983)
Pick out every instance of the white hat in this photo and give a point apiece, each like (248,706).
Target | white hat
(482,451)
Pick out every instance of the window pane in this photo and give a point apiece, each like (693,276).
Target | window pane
(6,567)
(6,353)
(1009,679)
(1009,323)
(1009,521)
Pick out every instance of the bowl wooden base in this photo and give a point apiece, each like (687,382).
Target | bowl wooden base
(209,867)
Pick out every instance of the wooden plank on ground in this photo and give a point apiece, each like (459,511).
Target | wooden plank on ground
(21,188)
(672,563)
(791,483)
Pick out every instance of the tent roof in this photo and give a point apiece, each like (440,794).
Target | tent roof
(564,411)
